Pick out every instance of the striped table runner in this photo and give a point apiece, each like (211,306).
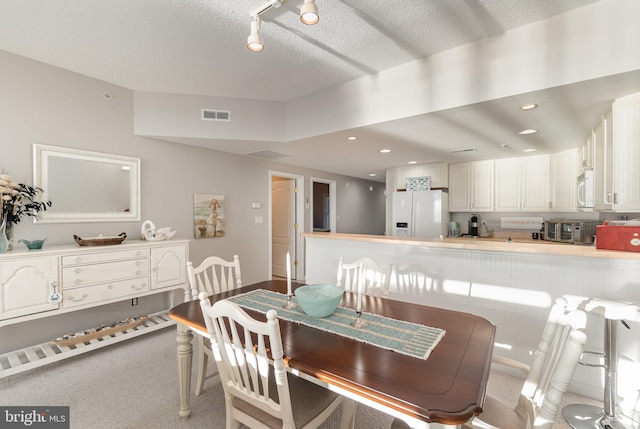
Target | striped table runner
(408,338)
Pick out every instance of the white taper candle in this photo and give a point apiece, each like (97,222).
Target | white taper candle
(288,274)
(359,301)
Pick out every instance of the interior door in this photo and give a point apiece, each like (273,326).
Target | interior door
(283,225)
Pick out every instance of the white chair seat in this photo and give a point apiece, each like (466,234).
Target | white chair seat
(309,401)
(548,377)
(259,392)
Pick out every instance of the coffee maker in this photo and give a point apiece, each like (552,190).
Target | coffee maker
(473,226)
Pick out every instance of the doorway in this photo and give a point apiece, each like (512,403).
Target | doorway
(286,208)
(323,205)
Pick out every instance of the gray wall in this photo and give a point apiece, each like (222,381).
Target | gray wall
(48,105)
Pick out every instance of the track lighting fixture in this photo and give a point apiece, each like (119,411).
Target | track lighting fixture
(309,13)
(254,41)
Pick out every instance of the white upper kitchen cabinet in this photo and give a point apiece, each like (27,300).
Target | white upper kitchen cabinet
(601,137)
(522,184)
(436,170)
(471,186)
(562,188)
(625,196)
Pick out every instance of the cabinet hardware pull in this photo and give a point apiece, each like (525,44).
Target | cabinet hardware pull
(110,286)
(55,297)
(78,259)
(78,281)
(77,270)
(71,298)
(134,287)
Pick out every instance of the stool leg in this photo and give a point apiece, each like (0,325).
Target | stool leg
(581,416)
(610,367)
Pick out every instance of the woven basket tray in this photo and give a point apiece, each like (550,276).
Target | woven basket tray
(100,241)
(99,334)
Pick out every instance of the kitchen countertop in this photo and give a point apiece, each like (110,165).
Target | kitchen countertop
(521,243)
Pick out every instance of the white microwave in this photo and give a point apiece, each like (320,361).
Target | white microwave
(585,192)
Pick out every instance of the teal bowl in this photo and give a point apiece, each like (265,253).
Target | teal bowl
(319,300)
(33,244)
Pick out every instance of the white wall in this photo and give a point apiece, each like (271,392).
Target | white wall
(48,105)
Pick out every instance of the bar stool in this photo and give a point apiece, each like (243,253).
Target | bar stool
(581,416)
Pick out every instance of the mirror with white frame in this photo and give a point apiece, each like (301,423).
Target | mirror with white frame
(86,186)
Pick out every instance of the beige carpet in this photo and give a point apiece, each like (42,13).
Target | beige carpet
(133,385)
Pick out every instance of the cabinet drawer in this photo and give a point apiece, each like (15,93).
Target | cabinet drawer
(91,258)
(103,292)
(82,275)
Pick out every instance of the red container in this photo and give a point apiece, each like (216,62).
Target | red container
(618,237)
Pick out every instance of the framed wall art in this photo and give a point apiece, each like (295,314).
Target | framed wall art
(208,211)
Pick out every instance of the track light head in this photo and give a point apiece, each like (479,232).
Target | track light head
(309,13)
(254,41)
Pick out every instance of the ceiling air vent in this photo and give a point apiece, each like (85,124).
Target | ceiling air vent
(216,115)
(471,149)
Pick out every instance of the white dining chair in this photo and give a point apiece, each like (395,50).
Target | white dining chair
(213,275)
(547,377)
(414,279)
(259,392)
(375,277)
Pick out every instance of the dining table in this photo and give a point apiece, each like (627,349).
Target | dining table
(444,390)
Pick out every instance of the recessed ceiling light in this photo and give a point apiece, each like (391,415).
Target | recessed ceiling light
(412,162)
(372,174)
(528,106)
(352,138)
(526,132)
(529,150)
(385,150)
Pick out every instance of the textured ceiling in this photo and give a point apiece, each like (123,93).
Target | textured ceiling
(199,47)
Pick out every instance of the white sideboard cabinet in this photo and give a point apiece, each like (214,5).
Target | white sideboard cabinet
(63,279)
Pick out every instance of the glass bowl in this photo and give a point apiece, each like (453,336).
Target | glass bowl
(319,300)
(33,244)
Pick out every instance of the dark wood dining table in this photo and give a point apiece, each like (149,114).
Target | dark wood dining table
(447,388)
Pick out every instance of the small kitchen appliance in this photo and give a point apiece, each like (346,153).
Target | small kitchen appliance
(474,231)
(570,231)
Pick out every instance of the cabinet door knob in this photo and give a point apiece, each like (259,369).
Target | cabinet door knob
(78,281)
(77,270)
(78,259)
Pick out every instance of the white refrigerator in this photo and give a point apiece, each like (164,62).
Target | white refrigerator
(423,214)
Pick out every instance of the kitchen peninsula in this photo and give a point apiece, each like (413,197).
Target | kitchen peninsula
(513,284)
